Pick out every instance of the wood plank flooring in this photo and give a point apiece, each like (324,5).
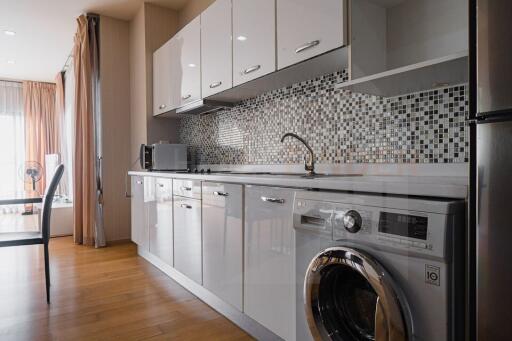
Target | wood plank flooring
(99,294)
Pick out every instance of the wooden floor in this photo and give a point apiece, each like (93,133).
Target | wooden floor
(99,294)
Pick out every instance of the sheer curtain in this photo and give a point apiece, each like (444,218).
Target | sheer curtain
(12,138)
(42,125)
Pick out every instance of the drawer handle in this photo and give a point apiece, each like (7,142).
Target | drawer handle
(214,85)
(251,69)
(221,194)
(161,185)
(162,106)
(186,188)
(186,97)
(139,182)
(273,200)
(307,46)
(185,206)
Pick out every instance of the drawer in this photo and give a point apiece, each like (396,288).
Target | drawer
(163,189)
(187,188)
(217,193)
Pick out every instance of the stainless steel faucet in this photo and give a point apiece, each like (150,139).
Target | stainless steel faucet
(309,165)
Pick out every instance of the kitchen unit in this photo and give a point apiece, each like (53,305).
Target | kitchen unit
(234,241)
(232,50)
(247,48)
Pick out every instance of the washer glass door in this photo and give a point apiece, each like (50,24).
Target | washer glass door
(350,296)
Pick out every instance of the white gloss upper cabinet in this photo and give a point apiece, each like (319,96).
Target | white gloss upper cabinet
(161,228)
(269,275)
(223,241)
(163,71)
(254,39)
(216,48)
(188,47)
(308,28)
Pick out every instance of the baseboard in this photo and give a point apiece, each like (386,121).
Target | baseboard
(118,241)
(243,321)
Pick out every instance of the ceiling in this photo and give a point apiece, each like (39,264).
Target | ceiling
(45,29)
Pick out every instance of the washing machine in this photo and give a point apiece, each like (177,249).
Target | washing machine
(378,267)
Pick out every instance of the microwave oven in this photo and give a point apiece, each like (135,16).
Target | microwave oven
(163,157)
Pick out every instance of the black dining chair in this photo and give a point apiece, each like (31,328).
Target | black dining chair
(35,238)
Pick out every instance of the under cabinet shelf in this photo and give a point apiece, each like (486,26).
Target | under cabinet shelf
(430,74)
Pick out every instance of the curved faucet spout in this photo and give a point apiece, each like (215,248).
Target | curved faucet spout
(309,165)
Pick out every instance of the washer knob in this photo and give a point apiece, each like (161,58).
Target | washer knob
(352,221)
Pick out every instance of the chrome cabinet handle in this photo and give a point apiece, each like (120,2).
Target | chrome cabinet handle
(139,182)
(162,106)
(307,46)
(273,200)
(221,194)
(186,188)
(251,69)
(215,84)
(185,206)
(186,96)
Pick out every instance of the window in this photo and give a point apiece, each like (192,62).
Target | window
(12,139)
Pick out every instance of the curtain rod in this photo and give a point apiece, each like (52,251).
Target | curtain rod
(21,82)
(11,80)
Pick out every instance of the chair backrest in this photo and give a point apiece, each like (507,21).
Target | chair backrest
(48,200)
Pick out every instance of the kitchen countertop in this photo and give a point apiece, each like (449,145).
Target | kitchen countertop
(432,186)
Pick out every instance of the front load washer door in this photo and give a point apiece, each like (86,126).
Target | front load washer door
(349,296)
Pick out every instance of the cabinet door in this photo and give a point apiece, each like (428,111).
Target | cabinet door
(216,59)
(306,29)
(188,45)
(269,283)
(254,39)
(223,241)
(138,210)
(160,232)
(163,100)
(187,237)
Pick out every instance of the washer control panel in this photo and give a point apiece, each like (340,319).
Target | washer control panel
(420,226)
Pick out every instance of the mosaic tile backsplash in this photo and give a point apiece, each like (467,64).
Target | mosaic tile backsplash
(340,126)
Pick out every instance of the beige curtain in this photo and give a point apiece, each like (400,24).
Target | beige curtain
(42,125)
(59,114)
(84,149)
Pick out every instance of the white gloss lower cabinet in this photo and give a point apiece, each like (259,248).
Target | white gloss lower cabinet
(139,228)
(269,282)
(187,237)
(223,241)
(161,222)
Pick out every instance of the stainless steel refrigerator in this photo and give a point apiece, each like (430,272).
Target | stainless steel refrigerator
(491,127)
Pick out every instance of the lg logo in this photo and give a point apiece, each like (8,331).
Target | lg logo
(432,275)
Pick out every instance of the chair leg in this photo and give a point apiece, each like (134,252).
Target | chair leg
(47,272)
